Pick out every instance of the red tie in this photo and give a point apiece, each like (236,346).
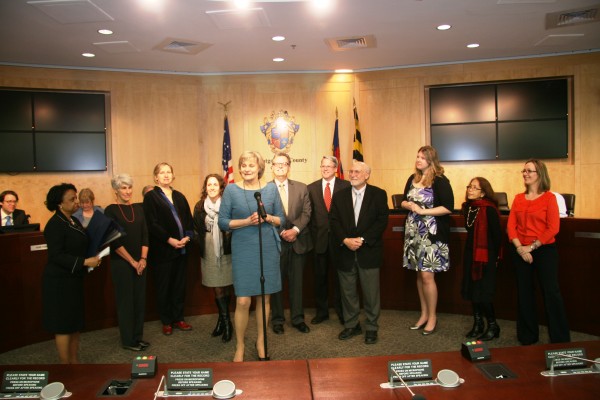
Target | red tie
(327,197)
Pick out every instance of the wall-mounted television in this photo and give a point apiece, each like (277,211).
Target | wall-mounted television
(52,131)
(501,121)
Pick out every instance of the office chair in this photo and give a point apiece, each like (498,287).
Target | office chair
(502,200)
(570,201)
(397,200)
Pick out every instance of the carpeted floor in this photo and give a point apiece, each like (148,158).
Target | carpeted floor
(103,346)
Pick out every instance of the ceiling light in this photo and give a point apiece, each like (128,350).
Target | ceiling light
(444,27)
(322,5)
(278,38)
(473,45)
(89,55)
(105,31)
(241,4)
(278,59)
(344,71)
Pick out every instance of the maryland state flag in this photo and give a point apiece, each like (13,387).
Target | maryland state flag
(335,148)
(226,161)
(357,150)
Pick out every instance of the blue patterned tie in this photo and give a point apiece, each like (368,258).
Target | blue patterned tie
(8,221)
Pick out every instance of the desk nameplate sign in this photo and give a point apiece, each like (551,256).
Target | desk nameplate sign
(23,384)
(185,382)
(410,370)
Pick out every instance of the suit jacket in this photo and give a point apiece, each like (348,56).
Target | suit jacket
(372,221)
(19,217)
(298,214)
(319,221)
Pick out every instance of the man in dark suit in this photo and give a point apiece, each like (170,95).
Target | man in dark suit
(10,214)
(359,216)
(321,193)
(295,243)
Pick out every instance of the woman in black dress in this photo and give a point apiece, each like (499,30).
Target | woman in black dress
(170,229)
(482,251)
(128,263)
(62,280)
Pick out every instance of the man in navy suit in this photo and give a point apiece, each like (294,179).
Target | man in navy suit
(359,216)
(10,214)
(295,244)
(321,192)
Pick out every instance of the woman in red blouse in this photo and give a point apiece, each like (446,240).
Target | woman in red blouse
(532,225)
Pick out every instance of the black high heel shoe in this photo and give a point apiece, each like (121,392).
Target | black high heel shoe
(417,327)
(266,358)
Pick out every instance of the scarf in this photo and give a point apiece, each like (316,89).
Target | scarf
(480,237)
(212,224)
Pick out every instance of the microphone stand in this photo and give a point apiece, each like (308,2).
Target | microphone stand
(262,287)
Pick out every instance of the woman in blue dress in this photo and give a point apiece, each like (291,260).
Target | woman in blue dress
(429,198)
(238,213)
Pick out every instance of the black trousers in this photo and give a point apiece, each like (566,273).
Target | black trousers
(545,266)
(322,265)
(130,297)
(170,289)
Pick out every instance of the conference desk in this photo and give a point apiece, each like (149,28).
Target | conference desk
(350,378)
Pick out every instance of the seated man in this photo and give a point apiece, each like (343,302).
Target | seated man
(10,214)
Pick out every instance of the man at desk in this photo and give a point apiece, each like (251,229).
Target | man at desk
(10,214)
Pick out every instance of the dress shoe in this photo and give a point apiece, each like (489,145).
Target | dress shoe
(371,337)
(144,344)
(417,327)
(167,330)
(278,329)
(182,325)
(133,348)
(431,332)
(302,327)
(350,332)
(317,320)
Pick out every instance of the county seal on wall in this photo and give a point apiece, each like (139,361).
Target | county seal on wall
(279,130)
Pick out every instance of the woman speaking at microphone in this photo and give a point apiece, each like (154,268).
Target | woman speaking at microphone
(238,213)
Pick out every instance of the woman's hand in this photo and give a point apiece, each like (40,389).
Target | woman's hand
(141,266)
(92,262)
(253,219)
(525,253)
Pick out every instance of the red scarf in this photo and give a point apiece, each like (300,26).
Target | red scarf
(480,237)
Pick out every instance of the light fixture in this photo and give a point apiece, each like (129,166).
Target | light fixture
(473,45)
(241,4)
(344,71)
(278,59)
(89,55)
(105,31)
(278,38)
(444,27)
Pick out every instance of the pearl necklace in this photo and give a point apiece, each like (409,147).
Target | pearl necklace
(474,213)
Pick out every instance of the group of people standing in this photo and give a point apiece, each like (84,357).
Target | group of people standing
(253,236)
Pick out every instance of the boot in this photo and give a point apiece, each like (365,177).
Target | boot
(477,322)
(221,305)
(493,330)
(227,325)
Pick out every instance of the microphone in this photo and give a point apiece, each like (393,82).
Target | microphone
(261,207)
(414,396)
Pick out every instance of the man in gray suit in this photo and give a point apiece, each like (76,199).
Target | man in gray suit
(321,192)
(296,242)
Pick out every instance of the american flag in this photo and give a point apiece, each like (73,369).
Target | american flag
(227,164)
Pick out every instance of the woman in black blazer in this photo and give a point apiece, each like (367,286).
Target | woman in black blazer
(170,229)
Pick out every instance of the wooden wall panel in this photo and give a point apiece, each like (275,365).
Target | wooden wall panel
(177,118)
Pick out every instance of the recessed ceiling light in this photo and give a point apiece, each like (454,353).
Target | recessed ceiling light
(105,31)
(344,71)
(473,45)
(444,27)
(278,38)
(278,59)
(89,55)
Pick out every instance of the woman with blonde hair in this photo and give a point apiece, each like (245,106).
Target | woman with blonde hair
(429,199)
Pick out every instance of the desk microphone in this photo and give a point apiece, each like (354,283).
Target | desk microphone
(414,396)
(261,207)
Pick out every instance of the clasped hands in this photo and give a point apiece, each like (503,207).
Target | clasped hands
(179,243)
(353,243)
(525,253)
(254,219)
(414,207)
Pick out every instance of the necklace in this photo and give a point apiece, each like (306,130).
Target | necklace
(123,214)
(474,213)
(246,197)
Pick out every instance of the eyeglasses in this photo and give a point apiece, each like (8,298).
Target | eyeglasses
(527,171)
(327,166)
(473,188)
(281,164)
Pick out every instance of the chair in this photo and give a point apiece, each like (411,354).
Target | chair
(502,200)
(570,201)
(397,200)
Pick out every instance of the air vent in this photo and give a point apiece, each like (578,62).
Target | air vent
(181,46)
(351,43)
(572,17)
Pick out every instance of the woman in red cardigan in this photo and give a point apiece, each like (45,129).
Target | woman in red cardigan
(532,225)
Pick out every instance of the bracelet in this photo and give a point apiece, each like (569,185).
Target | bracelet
(142,258)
